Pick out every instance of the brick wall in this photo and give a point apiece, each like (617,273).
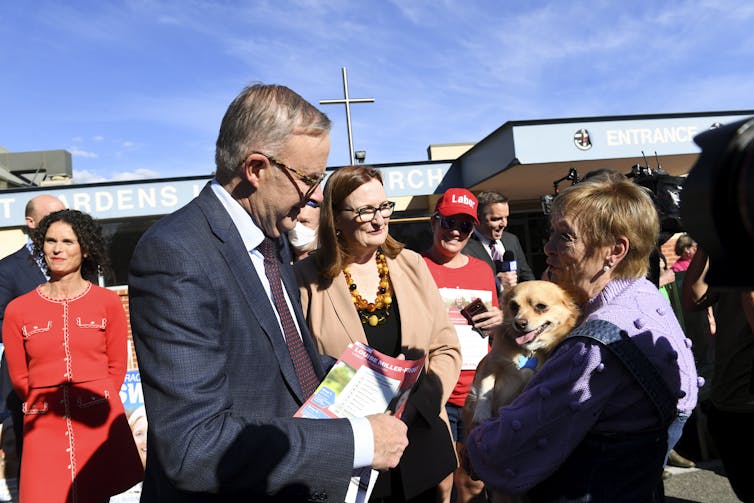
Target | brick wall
(668,249)
(123,292)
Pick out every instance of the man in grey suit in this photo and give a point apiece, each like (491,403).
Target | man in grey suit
(490,240)
(220,376)
(19,274)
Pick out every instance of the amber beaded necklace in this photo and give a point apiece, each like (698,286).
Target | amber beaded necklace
(373,313)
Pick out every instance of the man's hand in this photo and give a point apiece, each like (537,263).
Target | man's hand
(508,279)
(666,276)
(389,440)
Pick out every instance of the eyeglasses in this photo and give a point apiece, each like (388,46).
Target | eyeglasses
(312,181)
(367,213)
(450,223)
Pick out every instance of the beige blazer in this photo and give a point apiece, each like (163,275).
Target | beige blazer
(425,326)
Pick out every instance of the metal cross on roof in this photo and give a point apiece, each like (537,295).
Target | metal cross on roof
(347,102)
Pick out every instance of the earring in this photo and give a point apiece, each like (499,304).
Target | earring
(606,268)
(338,234)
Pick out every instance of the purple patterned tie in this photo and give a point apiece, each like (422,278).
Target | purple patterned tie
(493,251)
(301,361)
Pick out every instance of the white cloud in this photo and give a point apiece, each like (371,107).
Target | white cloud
(78,152)
(85,176)
(137,174)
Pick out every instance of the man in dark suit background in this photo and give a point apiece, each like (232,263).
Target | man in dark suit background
(493,211)
(20,274)
(220,384)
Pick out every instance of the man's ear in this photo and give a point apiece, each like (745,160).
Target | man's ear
(252,169)
(30,223)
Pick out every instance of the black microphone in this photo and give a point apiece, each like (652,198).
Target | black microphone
(508,264)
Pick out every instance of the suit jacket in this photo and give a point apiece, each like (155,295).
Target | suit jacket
(219,385)
(19,274)
(475,248)
(425,329)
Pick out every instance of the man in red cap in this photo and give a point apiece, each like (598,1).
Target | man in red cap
(461,279)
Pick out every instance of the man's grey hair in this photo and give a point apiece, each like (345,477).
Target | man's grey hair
(261,119)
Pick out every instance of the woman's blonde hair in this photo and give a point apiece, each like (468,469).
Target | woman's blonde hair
(609,205)
(333,255)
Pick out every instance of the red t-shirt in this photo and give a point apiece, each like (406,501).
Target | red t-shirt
(476,275)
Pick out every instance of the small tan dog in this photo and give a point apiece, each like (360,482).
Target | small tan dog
(537,315)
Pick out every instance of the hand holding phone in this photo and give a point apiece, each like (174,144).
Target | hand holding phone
(472,309)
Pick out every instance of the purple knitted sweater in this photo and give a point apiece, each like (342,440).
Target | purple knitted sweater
(583,388)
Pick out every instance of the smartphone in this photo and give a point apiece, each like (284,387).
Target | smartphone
(472,309)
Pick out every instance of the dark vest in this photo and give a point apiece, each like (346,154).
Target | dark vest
(616,467)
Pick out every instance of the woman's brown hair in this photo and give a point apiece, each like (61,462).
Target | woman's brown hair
(332,256)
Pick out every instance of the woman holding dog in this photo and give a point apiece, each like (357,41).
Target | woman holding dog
(597,420)
(362,285)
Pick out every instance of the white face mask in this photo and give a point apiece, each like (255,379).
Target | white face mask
(301,235)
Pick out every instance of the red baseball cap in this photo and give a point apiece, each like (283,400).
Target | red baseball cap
(457,202)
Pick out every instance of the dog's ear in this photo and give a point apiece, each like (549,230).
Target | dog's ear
(506,298)
(576,295)
(574,299)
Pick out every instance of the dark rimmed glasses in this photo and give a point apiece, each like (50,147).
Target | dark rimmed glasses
(449,223)
(367,213)
(312,181)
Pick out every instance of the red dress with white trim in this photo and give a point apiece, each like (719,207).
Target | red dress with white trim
(67,362)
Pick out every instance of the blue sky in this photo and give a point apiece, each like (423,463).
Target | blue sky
(137,89)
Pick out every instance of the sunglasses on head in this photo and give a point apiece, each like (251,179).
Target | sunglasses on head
(449,223)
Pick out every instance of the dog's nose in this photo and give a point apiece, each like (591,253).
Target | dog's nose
(522,324)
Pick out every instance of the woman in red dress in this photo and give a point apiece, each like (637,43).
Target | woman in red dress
(66,350)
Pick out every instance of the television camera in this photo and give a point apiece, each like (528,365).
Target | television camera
(665,190)
(717,206)
(546,200)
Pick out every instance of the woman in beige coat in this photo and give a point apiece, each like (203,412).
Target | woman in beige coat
(351,290)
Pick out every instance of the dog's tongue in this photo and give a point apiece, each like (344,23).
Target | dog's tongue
(527,337)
